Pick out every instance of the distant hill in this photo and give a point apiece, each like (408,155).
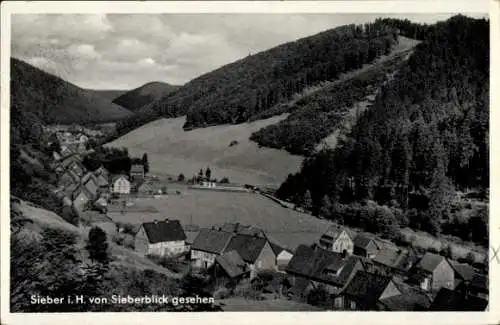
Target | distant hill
(241,90)
(143,95)
(54,100)
(110,95)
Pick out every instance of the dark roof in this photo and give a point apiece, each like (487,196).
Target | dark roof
(191,236)
(393,257)
(479,281)
(94,216)
(240,229)
(366,287)
(89,176)
(232,263)
(81,189)
(137,168)
(211,241)
(334,231)
(362,241)
(314,263)
(410,299)
(164,231)
(449,300)
(430,262)
(249,247)
(276,248)
(464,271)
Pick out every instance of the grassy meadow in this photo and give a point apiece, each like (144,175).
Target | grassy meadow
(171,150)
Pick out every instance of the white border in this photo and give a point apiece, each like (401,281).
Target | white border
(422,6)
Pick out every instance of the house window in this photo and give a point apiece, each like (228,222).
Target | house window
(337,302)
(353,305)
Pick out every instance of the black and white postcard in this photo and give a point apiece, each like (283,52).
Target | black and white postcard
(327,158)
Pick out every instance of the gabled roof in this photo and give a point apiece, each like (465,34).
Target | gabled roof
(334,232)
(137,168)
(211,241)
(116,177)
(101,171)
(318,264)
(81,189)
(249,247)
(89,176)
(241,229)
(394,257)
(479,281)
(464,271)
(164,231)
(190,236)
(232,263)
(277,248)
(429,262)
(366,287)
(70,189)
(410,299)
(362,241)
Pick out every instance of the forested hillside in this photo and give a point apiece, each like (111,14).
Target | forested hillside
(424,139)
(54,100)
(320,111)
(238,91)
(136,98)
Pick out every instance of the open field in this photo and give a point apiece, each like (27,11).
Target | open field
(288,227)
(171,150)
(207,208)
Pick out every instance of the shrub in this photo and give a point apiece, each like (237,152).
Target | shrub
(224,180)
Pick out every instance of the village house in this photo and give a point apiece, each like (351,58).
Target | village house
(81,198)
(365,246)
(209,244)
(208,184)
(433,272)
(393,260)
(66,151)
(337,239)
(365,291)
(160,238)
(283,256)
(457,300)
(74,164)
(255,251)
(411,298)
(102,176)
(91,183)
(229,269)
(68,178)
(313,266)
(137,172)
(242,229)
(120,185)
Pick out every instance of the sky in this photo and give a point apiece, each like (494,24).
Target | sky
(124,51)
